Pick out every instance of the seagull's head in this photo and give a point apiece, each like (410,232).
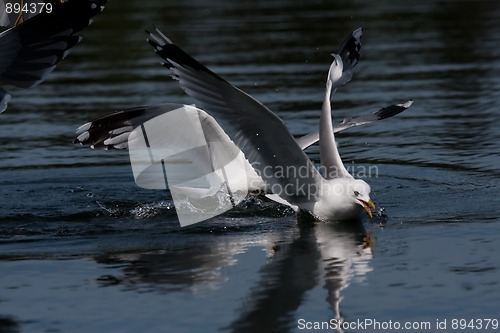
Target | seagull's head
(359,191)
(342,198)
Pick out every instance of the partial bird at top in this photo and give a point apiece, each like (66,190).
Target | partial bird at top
(267,145)
(32,46)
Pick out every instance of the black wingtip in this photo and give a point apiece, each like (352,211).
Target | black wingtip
(349,50)
(393,110)
(174,56)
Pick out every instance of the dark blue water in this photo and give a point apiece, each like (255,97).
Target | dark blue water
(83,249)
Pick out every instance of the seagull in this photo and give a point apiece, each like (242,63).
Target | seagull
(261,136)
(31,48)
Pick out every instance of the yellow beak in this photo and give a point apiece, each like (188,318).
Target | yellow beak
(367,205)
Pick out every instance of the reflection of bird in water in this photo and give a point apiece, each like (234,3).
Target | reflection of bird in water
(196,268)
(313,256)
(346,251)
(327,254)
(33,45)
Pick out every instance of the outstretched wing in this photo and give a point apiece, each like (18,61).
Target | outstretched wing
(259,133)
(386,112)
(112,131)
(31,50)
(349,53)
(349,50)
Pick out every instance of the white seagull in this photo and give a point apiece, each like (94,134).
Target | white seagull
(267,145)
(33,45)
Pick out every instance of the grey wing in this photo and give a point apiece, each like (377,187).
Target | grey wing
(31,50)
(259,133)
(111,131)
(386,112)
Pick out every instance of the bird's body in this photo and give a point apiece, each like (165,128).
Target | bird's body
(266,142)
(275,163)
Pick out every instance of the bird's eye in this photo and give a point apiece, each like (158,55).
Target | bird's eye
(356,193)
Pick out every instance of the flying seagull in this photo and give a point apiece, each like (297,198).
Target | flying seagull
(261,136)
(31,48)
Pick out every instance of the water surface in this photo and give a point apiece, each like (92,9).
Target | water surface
(82,248)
